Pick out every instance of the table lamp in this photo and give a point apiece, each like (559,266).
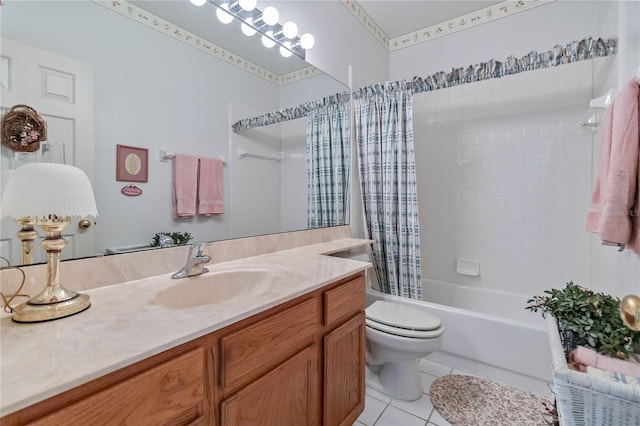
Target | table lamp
(50,193)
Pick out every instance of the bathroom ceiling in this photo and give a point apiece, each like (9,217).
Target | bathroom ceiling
(399,17)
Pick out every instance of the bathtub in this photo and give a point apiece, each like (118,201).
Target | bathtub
(487,328)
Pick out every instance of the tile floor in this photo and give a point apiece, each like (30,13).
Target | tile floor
(381,410)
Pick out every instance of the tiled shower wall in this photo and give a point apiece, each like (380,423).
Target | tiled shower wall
(504,177)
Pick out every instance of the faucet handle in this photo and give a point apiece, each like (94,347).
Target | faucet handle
(198,249)
(202,259)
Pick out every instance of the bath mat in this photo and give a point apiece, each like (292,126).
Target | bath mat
(473,401)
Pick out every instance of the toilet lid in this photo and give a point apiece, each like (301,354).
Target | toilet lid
(403,332)
(401,316)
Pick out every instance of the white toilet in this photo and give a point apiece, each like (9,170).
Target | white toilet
(398,335)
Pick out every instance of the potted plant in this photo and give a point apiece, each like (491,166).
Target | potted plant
(589,318)
(179,238)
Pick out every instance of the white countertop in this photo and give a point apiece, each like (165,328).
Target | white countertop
(121,327)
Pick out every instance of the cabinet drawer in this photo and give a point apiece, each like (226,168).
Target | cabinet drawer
(343,301)
(261,346)
(287,395)
(170,393)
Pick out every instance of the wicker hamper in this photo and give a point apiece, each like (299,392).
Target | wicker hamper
(586,400)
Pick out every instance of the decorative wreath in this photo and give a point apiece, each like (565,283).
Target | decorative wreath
(23,129)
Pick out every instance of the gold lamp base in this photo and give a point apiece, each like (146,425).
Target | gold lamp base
(54,301)
(34,312)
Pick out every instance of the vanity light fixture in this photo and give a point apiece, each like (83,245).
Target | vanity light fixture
(290,29)
(198,2)
(223,14)
(247,27)
(248,5)
(253,20)
(270,15)
(50,193)
(307,41)
(267,40)
(285,49)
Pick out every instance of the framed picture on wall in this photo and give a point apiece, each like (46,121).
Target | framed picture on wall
(132,163)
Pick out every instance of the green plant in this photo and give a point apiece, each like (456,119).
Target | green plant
(592,317)
(179,238)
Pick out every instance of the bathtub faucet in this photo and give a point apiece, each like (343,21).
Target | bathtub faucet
(195,263)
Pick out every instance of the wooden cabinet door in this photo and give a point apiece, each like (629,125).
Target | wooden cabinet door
(287,395)
(344,387)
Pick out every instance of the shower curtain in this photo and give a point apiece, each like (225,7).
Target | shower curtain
(384,136)
(328,158)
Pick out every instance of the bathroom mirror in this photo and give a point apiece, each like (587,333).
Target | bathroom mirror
(154,82)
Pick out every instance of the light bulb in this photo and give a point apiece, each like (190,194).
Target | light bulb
(198,2)
(267,41)
(222,12)
(290,29)
(307,41)
(247,5)
(270,15)
(247,28)
(284,51)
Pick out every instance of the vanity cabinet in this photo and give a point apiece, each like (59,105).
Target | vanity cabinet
(171,392)
(269,369)
(344,352)
(298,363)
(344,361)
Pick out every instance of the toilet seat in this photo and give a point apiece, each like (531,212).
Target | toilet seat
(402,320)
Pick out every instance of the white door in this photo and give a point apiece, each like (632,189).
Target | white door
(61,90)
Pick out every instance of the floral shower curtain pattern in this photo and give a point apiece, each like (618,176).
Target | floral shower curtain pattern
(328,158)
(384,136)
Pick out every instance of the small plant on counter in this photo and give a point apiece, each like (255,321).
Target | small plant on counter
(594,318)
(179,238)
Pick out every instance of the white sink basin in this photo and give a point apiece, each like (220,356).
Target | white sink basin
(217,288)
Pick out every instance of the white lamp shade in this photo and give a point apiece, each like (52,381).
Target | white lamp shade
(41,189)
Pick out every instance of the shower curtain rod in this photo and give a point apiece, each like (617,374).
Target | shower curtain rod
(579,50)
(287,114)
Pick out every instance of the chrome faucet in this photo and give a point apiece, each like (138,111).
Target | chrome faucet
(195,263)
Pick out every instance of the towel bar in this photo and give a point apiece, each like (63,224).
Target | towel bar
(165,155)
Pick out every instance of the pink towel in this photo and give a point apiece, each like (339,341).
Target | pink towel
(615,203)
(210,187)
(185,186)
(583,357)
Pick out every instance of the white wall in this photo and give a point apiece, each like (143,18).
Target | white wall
(491,191)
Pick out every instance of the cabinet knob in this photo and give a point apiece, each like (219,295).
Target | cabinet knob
(84,224)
